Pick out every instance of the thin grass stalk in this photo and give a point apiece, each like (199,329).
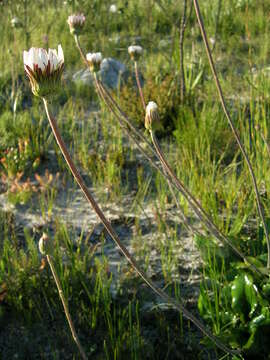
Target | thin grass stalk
(266,143)
(65,306)
(117,241)
(211,225)
(217,23)
(181,52)
(235,133)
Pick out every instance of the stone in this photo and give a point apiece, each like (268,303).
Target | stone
(112,73)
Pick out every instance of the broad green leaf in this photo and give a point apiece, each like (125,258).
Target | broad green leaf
(238,294)
(251,293)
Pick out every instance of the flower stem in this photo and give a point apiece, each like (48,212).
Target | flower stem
(139,84)
(64,303)
(77,42)
(235,133)
(122,248)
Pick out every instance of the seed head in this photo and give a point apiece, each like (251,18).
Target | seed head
(76,23)
(44,69)
(94,60)
(151,115)
(135,52)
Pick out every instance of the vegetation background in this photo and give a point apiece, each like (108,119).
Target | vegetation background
(115,315)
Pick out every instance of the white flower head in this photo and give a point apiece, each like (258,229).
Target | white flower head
(16,22)
(135,51)
(151,115)
(113,9)
(44,69)
(94,60)
(76,23)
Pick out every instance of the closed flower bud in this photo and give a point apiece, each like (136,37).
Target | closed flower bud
(151,116)
(135,51)
(76,23)
(113,9)
(94,60)
(16,22)
(44,69)
(45,245)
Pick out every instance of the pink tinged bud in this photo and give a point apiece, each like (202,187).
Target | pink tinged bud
(151,116)
(76,23)
(44,69)
(94,61)
(135,51)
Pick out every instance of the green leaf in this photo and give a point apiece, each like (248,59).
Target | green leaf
(266,289)
(251,292)
(238,294)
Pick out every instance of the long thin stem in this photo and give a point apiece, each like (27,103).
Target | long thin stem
(65,306)
(139,84)
(211,225)
(181,52)
(117,241)
(235,133)
(77,42)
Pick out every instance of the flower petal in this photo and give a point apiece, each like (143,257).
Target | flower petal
(42,59)
(26,58)
(60,54)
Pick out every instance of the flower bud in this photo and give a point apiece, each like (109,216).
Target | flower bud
(76,23)
(151,116)
(16,22)
(94,60)
(135,51)
(45,245)
(113,9)
(44,69)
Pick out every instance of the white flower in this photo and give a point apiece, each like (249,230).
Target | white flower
(94,60)
(76,23)
(44,69)
(135,51)
(15,22)
(113,9)
(151,115)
